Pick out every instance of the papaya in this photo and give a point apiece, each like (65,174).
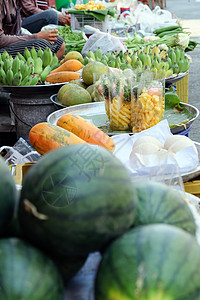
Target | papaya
(92,72)
(73,55)
(74,95)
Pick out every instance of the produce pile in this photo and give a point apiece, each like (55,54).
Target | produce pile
(31,68)
(161,60)
(79,199)
(74,40)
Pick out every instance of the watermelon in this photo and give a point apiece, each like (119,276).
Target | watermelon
(75,200)
(158,203)
(8,195)
(26,273)
(150,262)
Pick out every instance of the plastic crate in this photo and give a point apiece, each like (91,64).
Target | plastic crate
(182,88)
(78,21)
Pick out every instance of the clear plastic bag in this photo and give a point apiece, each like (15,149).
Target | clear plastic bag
(21,152)
(148,108)
(105,41)
(117,88)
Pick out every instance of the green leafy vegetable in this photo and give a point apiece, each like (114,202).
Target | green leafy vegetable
(74,41)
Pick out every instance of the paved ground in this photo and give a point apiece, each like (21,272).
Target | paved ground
(188,13)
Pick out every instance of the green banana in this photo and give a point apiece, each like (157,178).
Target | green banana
(11,58)
(90,54)
(166,65)
(117,62)
(46,57)
(85,60)
(186,64)
(104,62)
(178,53)
(5,55)
(27,80)
(35,80)
(33,53)
(182,53)
(56,65)
(50,56)
(24,69)
(2,76)
(175,68)
(138,64)
(180,65)
(1,64)
(17,78)
(172,56)
(29,61)
(7,65)
(27,53)
(111,63)
(147,60)
(31,68)
(9,76)
(21,57)
(104,57)
(45,72)
(54,60)
(38,65)
(133,59)
(40,52)
(141,57)
(169,61)
(169,73)
(15,65)
(98,54)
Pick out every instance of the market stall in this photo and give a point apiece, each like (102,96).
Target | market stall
(93,197)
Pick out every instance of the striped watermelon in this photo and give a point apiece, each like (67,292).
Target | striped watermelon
(158,203)
(150,262)
(26,273)
(75,200)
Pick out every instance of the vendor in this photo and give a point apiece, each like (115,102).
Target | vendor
(13,41)
(34,18)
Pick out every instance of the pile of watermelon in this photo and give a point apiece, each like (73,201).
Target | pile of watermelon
(80,199)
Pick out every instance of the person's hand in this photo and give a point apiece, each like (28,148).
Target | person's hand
(49,35)
(64,19)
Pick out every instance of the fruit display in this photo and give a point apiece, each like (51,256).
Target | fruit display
(163,63)
(45,137)
(132,101)
(86,131)
(84,199)
(150,262)
(29,69)
(73,94)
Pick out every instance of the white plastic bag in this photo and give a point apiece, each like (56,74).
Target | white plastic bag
(105,41)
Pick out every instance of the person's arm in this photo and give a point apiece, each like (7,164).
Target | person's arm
(28,7)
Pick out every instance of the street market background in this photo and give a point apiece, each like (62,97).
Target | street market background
(188,12)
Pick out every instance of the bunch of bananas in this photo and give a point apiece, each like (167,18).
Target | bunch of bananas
(31,68)
(163,63)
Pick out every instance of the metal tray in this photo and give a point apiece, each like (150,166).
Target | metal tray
(96,112)
(25,90)
(173,79)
